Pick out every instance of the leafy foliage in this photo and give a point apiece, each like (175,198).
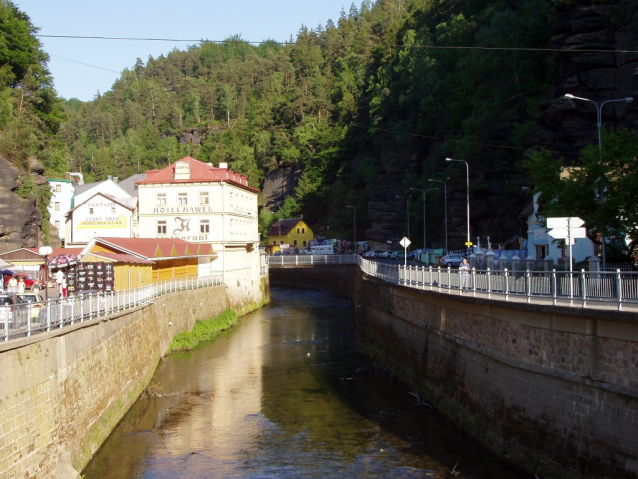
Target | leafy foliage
(575,191)
(204,331)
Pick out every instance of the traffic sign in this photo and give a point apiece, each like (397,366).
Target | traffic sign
(573,222)
(468,243)
(405,242)
(562,233)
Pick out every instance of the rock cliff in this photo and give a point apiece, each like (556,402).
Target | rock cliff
(20,218)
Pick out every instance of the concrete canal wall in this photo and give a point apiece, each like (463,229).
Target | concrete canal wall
(552,390)
(63,392)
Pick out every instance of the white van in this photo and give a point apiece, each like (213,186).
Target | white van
(323,249)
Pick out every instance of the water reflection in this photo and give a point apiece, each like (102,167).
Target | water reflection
(286,393)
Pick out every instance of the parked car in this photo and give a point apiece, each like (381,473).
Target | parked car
(28,280)
(416,254)
(451,260)
(399,254)
(373,253)
(386,255)
(36,301)
(11,309)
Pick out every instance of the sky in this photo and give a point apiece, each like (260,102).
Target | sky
(82,67)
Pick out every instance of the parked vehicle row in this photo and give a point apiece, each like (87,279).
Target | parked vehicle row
(15,308)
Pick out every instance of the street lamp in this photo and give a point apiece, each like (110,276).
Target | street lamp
(599,117)
(424,192)
(407,206)
(444,205)
(46,251)
(467,167)
(354,212)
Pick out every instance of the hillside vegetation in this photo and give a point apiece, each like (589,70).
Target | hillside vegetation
(379,97)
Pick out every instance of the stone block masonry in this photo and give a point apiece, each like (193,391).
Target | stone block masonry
(62,393)
(552,390)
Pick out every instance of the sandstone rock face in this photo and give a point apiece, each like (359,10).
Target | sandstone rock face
(278,185)
(20,218)
(567,126)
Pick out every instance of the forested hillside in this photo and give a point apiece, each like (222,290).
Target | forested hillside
(363,108)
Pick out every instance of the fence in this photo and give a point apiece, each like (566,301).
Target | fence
(610,289)
(25,319)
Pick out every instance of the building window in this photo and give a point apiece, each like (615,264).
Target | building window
(160,199)
(204,227)
(90,211)
(161,227)
(58,188)
(298,230)
(57,224)
(303,230)
(203,198)
(295,241)
(182,199)
(304,242)
(113,210)
(274,243)
(56,206)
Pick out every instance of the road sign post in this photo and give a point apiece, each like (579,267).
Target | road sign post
(405,242)
(569,229)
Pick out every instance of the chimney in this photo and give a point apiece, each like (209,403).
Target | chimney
(182,170)
(223,165)
(115,179)
(109,177)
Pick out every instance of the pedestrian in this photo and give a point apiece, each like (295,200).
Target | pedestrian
(59,277)
(36,288)
(21,285)
(13,284)
(464,271)
(63,287)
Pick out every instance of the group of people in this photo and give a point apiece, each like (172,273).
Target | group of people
(15,285)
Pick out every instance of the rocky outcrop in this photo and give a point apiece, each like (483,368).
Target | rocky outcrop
(598,61)
(278,185)
(20,218)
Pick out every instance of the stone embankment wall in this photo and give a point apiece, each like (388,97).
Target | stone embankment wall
(63,392)
(553,390)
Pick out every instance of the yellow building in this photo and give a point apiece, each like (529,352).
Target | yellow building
(294,232)
(141,261)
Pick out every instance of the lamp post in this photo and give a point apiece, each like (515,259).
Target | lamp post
(599,117)
(407,206)
(467,167)
(46,251)
(444,205)
(354,222)
(424,192)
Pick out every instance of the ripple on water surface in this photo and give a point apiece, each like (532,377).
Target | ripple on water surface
(286,394)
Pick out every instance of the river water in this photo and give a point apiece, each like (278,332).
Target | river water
(286,393)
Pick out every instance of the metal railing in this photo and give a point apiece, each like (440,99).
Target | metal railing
(613,289)
(25,319)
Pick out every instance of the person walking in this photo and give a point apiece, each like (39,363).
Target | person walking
(59,277)
(464,271)
(13,284)
(21,285)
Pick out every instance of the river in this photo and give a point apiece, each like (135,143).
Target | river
(286,393)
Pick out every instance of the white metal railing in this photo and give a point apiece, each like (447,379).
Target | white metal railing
(579,288)
(25,319)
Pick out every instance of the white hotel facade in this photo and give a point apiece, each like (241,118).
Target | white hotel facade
(197,202)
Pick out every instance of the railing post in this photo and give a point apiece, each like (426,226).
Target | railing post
(528,286)
(489,284)
(474,282)
(48,303)
(29,310)
(506,277)
(619,289)
(583,288)
(554,286)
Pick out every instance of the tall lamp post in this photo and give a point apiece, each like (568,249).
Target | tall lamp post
(46,251)
(467,167)
(354,222)
(444,205)
(424,192)
(599,117)
(407,206)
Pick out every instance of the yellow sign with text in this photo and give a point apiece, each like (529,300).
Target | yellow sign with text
(103,222)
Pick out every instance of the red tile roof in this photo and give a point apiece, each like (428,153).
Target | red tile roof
(199,172)
(121,257)
(151,248)
(59,251)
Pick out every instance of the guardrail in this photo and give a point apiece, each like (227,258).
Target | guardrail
(612,289)
(25,319)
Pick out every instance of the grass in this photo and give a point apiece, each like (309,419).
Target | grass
(205,330)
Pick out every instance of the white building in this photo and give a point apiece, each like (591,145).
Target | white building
(541,245)
(199,203)
(60,204)
(101,215)
(108,187)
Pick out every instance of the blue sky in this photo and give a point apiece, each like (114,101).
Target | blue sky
(255,20)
